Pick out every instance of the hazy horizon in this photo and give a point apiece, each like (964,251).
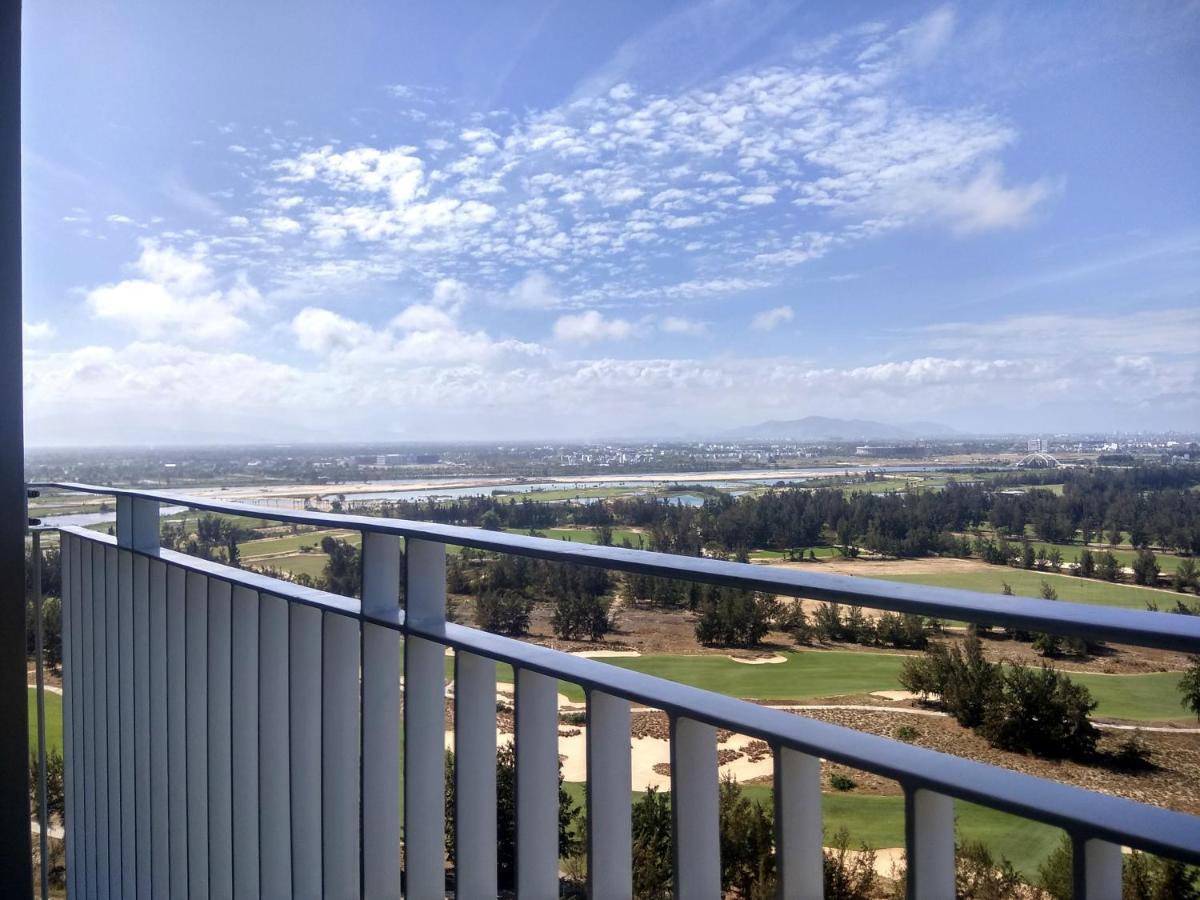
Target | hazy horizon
(534,221)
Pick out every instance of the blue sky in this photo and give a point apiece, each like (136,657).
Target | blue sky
(302,221)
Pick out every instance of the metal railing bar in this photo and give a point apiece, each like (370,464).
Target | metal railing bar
(40,681)
(1079,811)
(1142,628)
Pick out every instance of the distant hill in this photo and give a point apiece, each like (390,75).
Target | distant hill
(823,428)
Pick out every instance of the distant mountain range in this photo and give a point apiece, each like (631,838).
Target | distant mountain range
(823,428)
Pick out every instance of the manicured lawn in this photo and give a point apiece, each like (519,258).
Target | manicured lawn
(589,535)
(823,551)
(1028,583)
(291,543)
(54,727)
(879,822)
(312,564)
(1143,698)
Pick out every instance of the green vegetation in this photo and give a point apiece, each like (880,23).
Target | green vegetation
(587,535)
(54,721)
(1029,584)
(292,543)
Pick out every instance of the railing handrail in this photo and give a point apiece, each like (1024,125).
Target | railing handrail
(1101,623)
(1079,811)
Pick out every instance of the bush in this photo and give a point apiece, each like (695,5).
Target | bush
(901,631)
(1189,687)
(747,844)
(577,617)
(503,612)
(962,678)
(847,876)
(734,618)
(1143,876)
(840,782)
(1145,568)
(979,876)
(1040,711)
(652,864)
(907,733)
(1133,754)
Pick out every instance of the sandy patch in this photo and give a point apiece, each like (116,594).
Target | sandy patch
(563,701)
(894,695)
(759,660)
(604,654)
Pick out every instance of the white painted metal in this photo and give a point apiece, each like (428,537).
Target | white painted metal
(1101,871)
(143,825)
(160,818)
(99,677)
(128,831)
(339,751)
(424,724)
(537,784)
(274,762)
(304,687)
(610,854)
(798,825)
(694,800)
(220,764)
(196,691)
(138,524)
(244,742)
(177,747)
(380,721)
(930,825)
(70,638)
(475,775)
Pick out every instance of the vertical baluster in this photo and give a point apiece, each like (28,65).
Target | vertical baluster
(244,740)
(160,745)
(929,826)
(70,637)
(537,784)
(196,691)
(304,687)
(424,723)
(339,765)
(694,808)
(380,720)
(610,851)
(104,862)
(220,765)
(475,775)
(798,856)
(177,746)
(125,651)
(112,692)
(274,766)
(1096,869)
(143,825)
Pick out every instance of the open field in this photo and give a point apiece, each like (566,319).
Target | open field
(589,535)
(291,543)
(54,721)
(879,822)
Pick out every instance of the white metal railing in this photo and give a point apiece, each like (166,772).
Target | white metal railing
(229,734)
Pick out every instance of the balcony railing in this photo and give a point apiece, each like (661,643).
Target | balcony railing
(229,734)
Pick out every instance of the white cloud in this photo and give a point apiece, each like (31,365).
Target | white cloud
(177,295)
(681,325)
(590,326)
(281,225)
(422,317)
(324,331)
(37,331)
(534,291)
(770,319)
(118,219)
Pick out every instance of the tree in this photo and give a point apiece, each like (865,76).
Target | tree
(730,617)
(1044,643)
(342,573)
(1189,687)
(652,864)
(747,840)
(1107,566)
(1040,711)
(1145,568)
(569,843)
(1087,564)
(577,617)
(1186,577)
(503,612)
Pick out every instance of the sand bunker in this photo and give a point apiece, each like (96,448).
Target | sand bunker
(894,695)
(759,660)
(604,654)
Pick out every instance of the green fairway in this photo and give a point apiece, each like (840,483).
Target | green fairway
(291,543)
(1028,583)
(54,726)
(832,673)
(879,822)
(312,564)
(588,535)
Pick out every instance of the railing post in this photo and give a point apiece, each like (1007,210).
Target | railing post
(1096,870)
(475,775)
(537,785)
(137,524)
(274,748)
(695,808)
(380,719)
(196,731)
(610,839)
(244,724)
(799,856)
(425,723)
(304,721)
(929,829)
(339,755)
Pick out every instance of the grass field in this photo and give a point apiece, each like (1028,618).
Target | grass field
(824,551)
(54,728)
(813,674)
(291,543)
(589,535)
(879,822)
(1028,583)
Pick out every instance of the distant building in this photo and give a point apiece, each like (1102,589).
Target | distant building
(890,451)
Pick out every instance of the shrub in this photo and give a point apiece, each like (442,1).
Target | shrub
(577,617)
(1143,876)
(652,864)
(840,782)
(1133,754)
(503,612)
(907,733)
(980,876)
(901,631)
(1189,687)
(734,618)
(747,841)
(1040,711)
(1145,568)
(848,876)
